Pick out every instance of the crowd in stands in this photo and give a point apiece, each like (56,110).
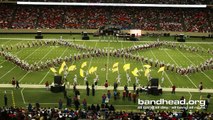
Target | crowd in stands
(50,17)
(134,1)
(8,113)
(25,18)
(152,19)
(5,15)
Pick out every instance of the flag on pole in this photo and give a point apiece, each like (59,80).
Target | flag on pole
(91,70)
(72,68)
(62,67)
(147,66)
(53,70)
(136,70)
(81,72)
(135,74)
(63,64)
(147,71)
(95,69)
(83,64)
(161,69)
(114,69)
(126,67)
(115,65)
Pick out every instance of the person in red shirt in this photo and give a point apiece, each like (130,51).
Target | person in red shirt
(103,98)
(47,85)
(106,84)
(13,82)
(130,97)
(134,97)
(173,89)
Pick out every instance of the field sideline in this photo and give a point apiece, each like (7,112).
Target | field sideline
(175,56)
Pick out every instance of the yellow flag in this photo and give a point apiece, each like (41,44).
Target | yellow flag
(161,69)
(81,72)
(60,70)
(147,66)
(114,69)
(63,64)
(53,69)
(91,70)
(95,69)
(115,65)
(83,64)
(146,72)
(72,68)
(62,67)
(135,73)
(135,70)
(126,67)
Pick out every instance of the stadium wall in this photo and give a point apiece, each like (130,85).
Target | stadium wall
(91,31)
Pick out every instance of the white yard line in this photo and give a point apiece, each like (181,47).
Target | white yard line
(164,72)
(13,99)
(107,71)
(38,62)
(22,95)
(178,65)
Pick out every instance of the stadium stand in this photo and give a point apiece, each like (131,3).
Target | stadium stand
(152,19)
(103,113)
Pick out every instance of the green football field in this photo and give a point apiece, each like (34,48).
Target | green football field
(178,57)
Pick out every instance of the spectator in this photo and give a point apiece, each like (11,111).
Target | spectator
(129,96)
(111,108)
(13,82)
(69,101)
(76,103)
(173,89)
(84,104)
(134,86)
(88,90)
(103,98)
(109,94)
(17,84)
(115,94)
(200,87)
(37,105)
(209,97)
(60,104)
(93,90)
(5,99)
(47,85)
(115,85)
(106,84)
(30,107)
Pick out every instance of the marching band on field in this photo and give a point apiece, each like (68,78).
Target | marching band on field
(93,52)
